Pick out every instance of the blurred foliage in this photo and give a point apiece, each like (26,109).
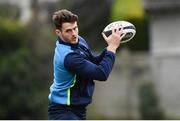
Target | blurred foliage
(132,11)
(22,94)
(10,36)
(9,11)
(21,91)
(125,9)
(149,103)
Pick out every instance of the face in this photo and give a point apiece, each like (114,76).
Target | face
(69,32)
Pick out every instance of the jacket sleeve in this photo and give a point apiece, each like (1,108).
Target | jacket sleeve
(77,64)
(98,58)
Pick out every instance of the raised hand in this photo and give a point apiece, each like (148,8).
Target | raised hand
(114,39)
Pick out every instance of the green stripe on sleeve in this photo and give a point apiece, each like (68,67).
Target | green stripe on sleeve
(68,101)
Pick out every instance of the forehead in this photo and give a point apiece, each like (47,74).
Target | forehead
(69,25)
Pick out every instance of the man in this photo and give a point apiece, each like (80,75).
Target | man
(75,68)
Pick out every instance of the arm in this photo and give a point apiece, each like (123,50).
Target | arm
(76,64)
(113,42)
(98,58)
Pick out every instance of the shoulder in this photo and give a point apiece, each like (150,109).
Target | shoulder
(73,57)
(83,42)
(62,50)
(73,60)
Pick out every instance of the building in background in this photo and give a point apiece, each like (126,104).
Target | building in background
(164,30)
(25,7)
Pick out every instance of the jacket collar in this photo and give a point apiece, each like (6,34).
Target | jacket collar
(66,43)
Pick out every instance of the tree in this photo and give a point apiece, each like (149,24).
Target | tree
(22,94)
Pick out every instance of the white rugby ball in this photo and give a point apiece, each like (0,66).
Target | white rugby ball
(128,28)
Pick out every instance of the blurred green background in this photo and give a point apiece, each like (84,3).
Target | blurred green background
(27,46)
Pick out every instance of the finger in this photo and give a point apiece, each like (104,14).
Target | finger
(104,36)
(120,28)
(123,34)
(113,30)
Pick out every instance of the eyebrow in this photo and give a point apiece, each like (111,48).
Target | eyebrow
(71,28)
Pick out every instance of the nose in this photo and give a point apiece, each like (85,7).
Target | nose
(73,32)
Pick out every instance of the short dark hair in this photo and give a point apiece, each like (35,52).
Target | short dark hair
(61,16)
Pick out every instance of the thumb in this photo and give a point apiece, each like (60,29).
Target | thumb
(123,34)
(104,36)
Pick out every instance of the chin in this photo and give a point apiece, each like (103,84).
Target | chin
(74,41)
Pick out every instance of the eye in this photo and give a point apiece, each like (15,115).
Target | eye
(75,28)
(68,30)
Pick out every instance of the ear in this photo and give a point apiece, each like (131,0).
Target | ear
(58,32)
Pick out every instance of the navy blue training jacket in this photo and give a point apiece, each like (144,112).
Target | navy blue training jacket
(75,68)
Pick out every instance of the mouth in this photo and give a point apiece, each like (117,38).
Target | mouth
(74,39)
